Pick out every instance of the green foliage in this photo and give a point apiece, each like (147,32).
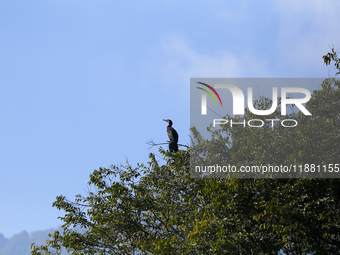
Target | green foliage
(269,216)
(161,209)
(332,56)
(149,210)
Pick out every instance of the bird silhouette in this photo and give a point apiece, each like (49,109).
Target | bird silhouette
(173,136)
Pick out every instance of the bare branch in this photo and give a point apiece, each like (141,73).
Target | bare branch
(152,143)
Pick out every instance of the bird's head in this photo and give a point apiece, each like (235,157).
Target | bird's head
(169,121)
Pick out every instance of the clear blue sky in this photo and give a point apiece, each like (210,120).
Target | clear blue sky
(85,84)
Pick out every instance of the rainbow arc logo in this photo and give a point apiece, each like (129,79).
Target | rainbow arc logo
(209,93)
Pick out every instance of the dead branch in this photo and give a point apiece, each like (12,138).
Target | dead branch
(152,144)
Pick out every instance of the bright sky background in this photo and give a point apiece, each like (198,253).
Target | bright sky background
(86,84)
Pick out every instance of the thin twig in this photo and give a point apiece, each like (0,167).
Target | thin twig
(152,143)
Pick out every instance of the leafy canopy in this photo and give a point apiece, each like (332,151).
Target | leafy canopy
(160,209)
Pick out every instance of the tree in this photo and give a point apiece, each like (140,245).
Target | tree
(149,210)
(268,216)
(160,209)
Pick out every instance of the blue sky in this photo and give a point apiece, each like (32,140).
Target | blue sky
(85,84)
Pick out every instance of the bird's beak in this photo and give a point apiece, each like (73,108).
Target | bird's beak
(165,120)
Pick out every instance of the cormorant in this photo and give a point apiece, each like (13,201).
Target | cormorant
(173,136)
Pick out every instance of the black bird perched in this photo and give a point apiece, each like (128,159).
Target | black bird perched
(173,136)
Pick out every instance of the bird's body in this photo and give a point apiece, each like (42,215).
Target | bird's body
(173,136)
